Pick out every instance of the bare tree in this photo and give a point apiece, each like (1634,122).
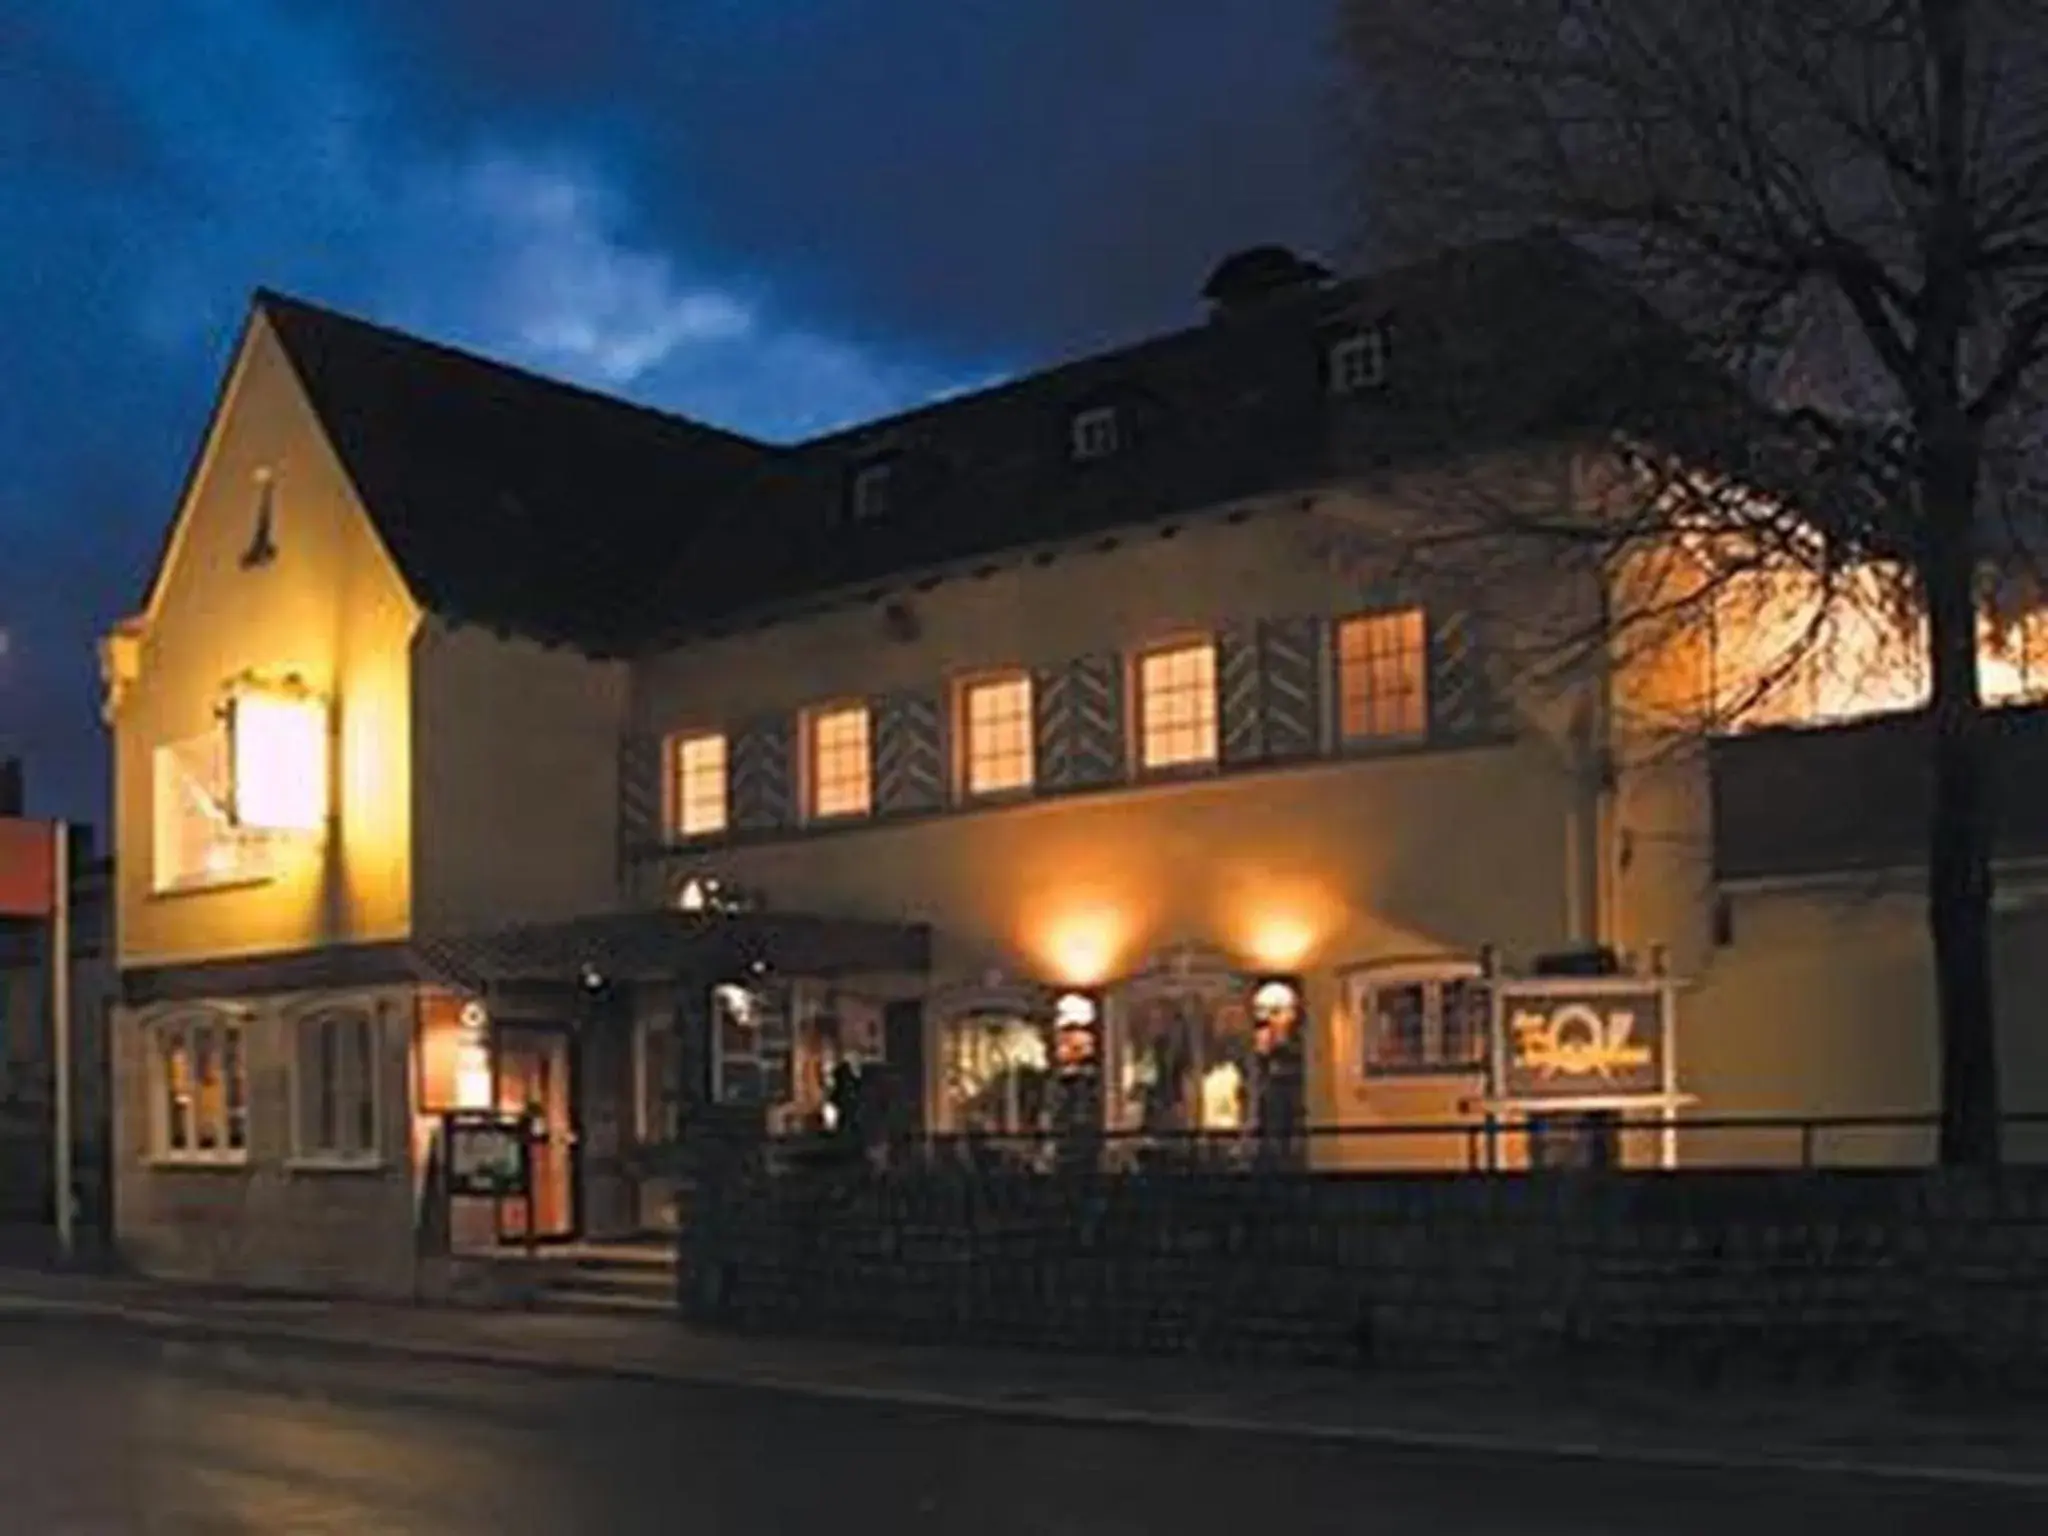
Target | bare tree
(1844,204)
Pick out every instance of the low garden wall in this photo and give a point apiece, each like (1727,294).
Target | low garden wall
(1913,1274)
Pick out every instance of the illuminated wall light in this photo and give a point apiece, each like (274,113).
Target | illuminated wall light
(1082,949)
(1280,943)
(279,758)
(473,1058)
(1074,1010)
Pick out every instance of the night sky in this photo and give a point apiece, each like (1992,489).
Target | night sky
(775,215)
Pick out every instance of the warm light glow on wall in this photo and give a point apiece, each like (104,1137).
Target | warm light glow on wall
(1279,941)
(1789,650)
(280,761)
(1081,949)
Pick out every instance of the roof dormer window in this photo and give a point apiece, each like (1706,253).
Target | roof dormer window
(1094,433)
(872,491)
(1358,361)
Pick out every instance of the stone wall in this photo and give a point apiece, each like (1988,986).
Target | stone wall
(1830,1273)
(270,1221)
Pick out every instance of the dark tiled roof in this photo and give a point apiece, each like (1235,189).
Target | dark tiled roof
(507,499)
(1836,800)
(1519,342)
(538,508)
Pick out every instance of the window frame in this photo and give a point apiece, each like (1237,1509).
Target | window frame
(1361,985)
(677,798)
(1082,445)
(964,691)
(188,1024)
(813,779)
(304,1153)
(1364,341)
(871,489)
(1141,761)
(244,854)
(1348,740)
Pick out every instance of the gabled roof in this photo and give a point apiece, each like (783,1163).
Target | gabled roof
(538,508)
(506,499)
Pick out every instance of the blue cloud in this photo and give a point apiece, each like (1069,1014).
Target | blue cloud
(780,217)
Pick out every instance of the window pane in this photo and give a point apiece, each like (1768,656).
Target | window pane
(176,1065)
(1177,693)
(1397,1032)
(839,762)
(1382,675)
(327,1075)
(999,755)
(360,1067)
(998,1075)
(700,785)
(235,1074)
(210,1108)
(1467,1021)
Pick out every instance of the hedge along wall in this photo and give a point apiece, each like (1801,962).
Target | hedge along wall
(1853,1273)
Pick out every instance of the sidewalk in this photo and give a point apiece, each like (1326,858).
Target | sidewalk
(1835,1431)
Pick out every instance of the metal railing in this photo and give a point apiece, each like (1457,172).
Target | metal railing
(1469,1145)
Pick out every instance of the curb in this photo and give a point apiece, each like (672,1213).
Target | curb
(1026,1408)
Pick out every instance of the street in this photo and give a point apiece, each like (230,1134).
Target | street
(110,1431)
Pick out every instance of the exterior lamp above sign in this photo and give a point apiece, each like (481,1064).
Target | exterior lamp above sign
(278,751)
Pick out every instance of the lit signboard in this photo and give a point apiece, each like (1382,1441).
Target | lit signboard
(1577,1040)
(279,746)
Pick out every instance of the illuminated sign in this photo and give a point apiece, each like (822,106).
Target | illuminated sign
(1575,1040)
(487,1155)
(278,745)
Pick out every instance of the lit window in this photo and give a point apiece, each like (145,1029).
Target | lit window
(699,805)
(1430,1018)
(1177,706)
(1095,434)
(1382,676)
(841,776)
(1358,362)
(199,1081)
(869,495)
(997,1074)
(335,1084)
(998,721)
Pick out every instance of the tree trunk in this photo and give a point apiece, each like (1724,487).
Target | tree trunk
(1961,815)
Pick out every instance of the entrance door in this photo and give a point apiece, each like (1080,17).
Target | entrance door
(533,1076)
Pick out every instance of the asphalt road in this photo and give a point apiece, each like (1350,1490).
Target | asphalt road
(105,1432)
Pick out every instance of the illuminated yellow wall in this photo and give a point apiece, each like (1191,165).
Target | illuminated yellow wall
(330,607)
(516,781)
(1818,995)
(1306,868)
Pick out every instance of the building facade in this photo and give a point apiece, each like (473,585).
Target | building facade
(1041,757)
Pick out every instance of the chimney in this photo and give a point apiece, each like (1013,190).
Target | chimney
(1247,279)
(13,801)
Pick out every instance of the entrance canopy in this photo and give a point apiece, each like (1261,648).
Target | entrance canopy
(666,945)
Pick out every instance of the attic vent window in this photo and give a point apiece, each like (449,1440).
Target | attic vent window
(1358,361)
(871,491)
(1095,434)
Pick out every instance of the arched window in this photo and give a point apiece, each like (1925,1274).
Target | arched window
(199,1087)
(995,1060)
(337,1079)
